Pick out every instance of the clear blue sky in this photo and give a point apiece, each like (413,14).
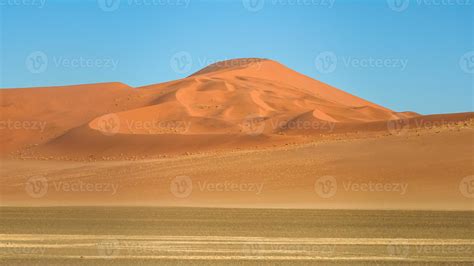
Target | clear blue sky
(405,57)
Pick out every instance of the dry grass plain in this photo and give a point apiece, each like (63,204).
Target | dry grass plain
(212,236)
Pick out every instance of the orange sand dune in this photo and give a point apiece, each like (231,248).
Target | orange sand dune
(235,99)
(236,122)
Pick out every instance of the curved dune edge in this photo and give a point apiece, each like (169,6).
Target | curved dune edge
(243,103)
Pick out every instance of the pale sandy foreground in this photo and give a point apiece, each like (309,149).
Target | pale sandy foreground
(202,236)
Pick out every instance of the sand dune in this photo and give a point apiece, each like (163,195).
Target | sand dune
(239,121)
(234,99)
(423,169)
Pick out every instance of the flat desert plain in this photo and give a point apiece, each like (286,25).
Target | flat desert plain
(243,162)
(213,236)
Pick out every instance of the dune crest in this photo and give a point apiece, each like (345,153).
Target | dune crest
(245,102)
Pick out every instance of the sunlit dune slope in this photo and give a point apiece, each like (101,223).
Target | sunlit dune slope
(234,103)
